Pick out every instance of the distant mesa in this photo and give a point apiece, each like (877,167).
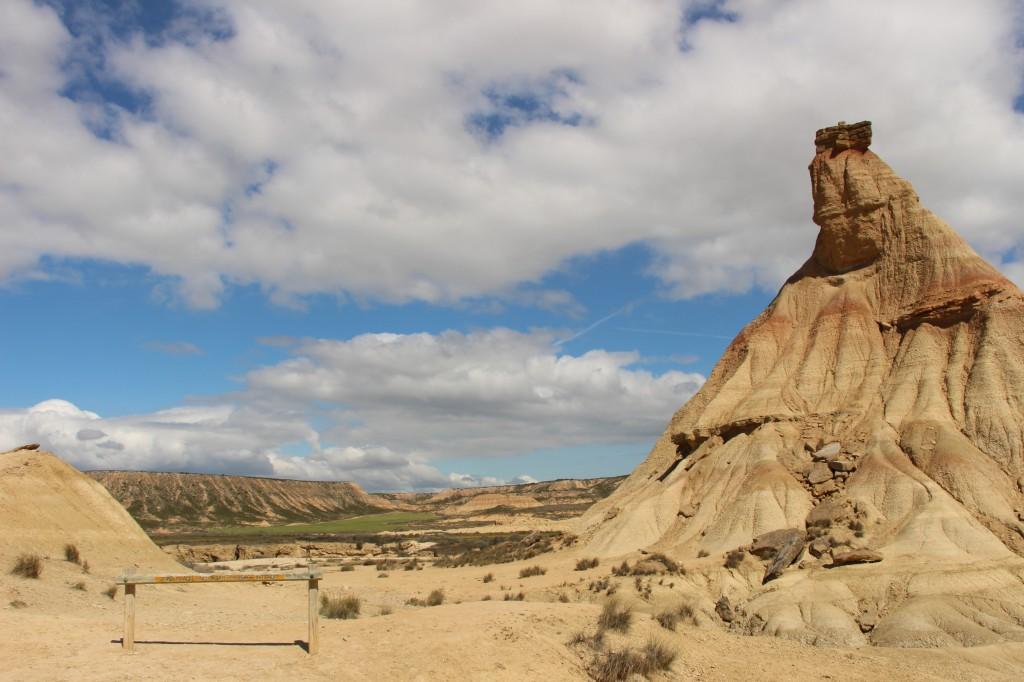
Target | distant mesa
(872,414)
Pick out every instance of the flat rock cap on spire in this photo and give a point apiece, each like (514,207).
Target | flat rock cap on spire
(844,136)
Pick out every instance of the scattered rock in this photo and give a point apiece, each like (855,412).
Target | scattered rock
(767,545)
(819,473)
(856,556)
(819,547)
(827,453)
(791,550)
(724,610)
(824,488)
(30,446)
(844,465)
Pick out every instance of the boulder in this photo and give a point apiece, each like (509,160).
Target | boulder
(856,556)
(724,609)
(788,552)
(827,453)
(766,546)
(819,473)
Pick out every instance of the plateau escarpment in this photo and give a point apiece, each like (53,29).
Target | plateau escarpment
(179,499)
(875,411)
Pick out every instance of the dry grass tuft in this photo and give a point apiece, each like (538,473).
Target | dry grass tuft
(624,664)
(384,611)
(71,554)
(734,558)
(622,569)
(489,578)
(514,597)
(343,607)
(28,566)
(111,591)
(435,598)
(563,597)
(85,567)
(17,604)
(532,571)
(586,564)
(345,568)
(615,616)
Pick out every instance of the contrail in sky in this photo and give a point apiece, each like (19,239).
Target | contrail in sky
(594,326)
(665,331)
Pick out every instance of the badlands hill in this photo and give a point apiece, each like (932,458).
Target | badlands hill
(873,417)
(562,497)
(177,499)
(46,504)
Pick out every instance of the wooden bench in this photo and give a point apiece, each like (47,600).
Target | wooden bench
(130,581)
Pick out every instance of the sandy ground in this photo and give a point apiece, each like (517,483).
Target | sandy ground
(246,631)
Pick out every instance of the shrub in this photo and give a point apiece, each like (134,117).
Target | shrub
(71,554)
(615,616)
(415,601)
(514,597)
(668,619)
(384,611)
(594,641)
(586,564)
(111,591)
(346,568)
(703,553)
(343,607)
(80,586)
(599,585)
(487,597)
(28,566)
(622,569)
(17,604)
(85,567)
(435,598)
(670,565)
(489,578)
(734,558)
(624,664)
(563,597)
(411,565)
(532,571)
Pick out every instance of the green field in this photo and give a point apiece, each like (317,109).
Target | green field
(370,523)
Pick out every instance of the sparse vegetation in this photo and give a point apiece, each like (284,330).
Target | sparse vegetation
(532,571)
(670,565)
(435,598)
(497,549)
(734,558)
(586,564)
(344,607)
(514,597)
(85,567)
(624,664)
(615,616)
(563,597)
(382,575)
(622,569)
(111,591)
(17,604)
(384,611)
(488,578)
(28,566)
(80,586)
(670,618)
(703,553)
(487,597)
(599,585)
(71,554)
(345,568)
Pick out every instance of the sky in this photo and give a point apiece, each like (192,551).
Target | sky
(420,244)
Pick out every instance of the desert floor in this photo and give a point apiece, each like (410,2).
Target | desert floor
(247,631)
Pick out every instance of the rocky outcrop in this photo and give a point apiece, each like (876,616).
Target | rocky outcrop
(878,402)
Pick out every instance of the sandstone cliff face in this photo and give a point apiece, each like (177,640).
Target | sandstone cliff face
(883,388)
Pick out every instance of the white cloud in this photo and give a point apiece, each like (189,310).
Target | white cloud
(378,409)
(174,347)
(335,137)
(492,392)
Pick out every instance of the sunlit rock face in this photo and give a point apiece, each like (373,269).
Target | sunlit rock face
(876,405)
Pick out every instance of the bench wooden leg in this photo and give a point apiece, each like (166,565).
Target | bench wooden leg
(314,616)
(128,642)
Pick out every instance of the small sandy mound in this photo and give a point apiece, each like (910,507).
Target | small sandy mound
(46,503)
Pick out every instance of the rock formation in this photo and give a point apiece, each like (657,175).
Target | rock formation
(878,405)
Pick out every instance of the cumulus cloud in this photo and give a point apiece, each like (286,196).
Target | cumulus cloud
(452,151)
(378,409)
(492,392)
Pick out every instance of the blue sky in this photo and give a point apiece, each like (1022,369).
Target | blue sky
(449,247)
